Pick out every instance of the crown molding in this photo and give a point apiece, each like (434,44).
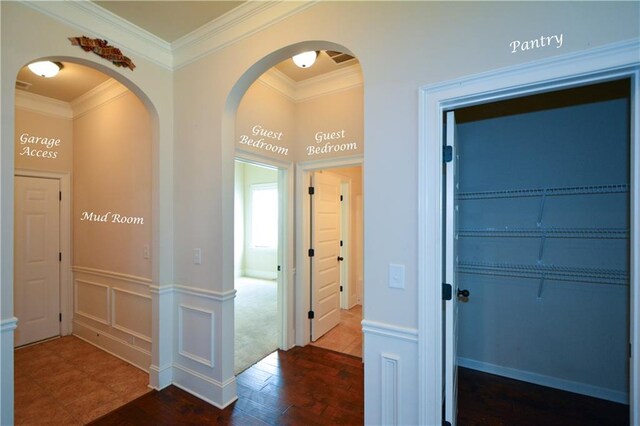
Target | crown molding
(97,97)
(94,20)
(243,21)
(237,24)
(43,105)
(333,82)
(325,84)
(94,98)
(278,81)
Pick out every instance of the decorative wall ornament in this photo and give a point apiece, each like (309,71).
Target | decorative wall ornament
(102,49)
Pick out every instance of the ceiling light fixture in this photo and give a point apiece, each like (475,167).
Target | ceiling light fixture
(45,69)
(305,59)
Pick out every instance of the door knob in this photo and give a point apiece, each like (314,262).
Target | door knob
(340,258)
(463,293)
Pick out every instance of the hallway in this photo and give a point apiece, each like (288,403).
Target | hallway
(302,386)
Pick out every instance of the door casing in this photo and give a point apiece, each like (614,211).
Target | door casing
(285,245)
(607,63)
(302,243)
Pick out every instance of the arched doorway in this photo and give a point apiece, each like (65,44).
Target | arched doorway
(271,135)
(94,142)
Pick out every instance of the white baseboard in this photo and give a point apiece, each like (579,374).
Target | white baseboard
(218,394)
(111,344)
(160,378)
(549,381)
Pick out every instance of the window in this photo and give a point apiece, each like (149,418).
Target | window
(264,215)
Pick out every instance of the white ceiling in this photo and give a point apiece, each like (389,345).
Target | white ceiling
(168,20)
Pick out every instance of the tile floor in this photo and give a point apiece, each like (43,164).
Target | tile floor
(346,337)
(68,381)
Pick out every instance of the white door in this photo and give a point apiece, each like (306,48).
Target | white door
(451,260)
(36,261)
(325,266)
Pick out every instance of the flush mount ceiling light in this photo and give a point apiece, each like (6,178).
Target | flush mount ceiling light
(305,59)
(45,68)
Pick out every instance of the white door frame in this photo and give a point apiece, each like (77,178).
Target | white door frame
(616,61)
(345,237)
(66,281)
(285,244)
(302,244)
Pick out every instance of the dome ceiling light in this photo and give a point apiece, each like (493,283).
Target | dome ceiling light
(305,59)
(45,69)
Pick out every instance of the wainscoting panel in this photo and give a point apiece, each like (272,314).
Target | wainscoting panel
(91,300)
(391,361)
(196,346)
(113,312)
(203,348)
(131,313)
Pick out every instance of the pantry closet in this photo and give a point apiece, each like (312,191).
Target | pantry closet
(543,238)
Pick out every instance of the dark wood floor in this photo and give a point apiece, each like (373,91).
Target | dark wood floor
(315,386)
(485,399)
(303,386)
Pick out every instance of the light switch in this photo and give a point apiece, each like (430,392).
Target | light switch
(197,256)
(396,276)
(145,251)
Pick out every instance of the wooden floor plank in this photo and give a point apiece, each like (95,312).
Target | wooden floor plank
(314,386)
(300,386)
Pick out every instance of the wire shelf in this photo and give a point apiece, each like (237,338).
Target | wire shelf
(587,233)
(547,272)
(538,192)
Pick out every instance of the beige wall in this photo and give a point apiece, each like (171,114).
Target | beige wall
(112,176)
(326,126)
(265,110)
(330,126)
(58,157)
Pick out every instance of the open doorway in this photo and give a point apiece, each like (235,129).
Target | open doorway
(308,119)
(256,234)
(83,338)
(538,226)
(335,282)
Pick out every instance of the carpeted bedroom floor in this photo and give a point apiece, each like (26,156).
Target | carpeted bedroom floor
(256,314)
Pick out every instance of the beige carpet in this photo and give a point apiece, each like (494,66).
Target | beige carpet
(256,321)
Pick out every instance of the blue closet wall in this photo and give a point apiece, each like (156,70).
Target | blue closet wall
(543,240)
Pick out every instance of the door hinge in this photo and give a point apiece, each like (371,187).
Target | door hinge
(630,351)
(60,195)
(341,289)
(60,316)
(60,256)
(341,243)
(310,315)
(279,268)
(446,291)
(311,252)
(447,153)
(341,198)
(311,190)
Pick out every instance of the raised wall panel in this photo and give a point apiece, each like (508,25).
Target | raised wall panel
(113,312)
(390,388)
(131,313)
(195,334)
(92,300)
